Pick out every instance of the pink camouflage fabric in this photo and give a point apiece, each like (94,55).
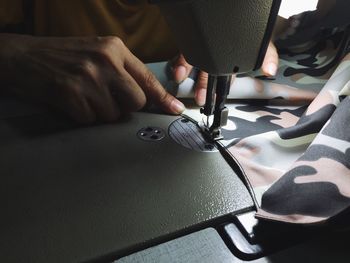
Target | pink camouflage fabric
(291,135)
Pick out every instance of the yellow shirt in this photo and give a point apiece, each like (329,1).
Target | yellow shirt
(139,24)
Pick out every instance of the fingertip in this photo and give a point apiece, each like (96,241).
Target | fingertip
(270,69)
(201,88)
(200,97)
(177,107)
(180,73)
(270,65)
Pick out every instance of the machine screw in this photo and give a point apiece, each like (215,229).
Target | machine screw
(151,134)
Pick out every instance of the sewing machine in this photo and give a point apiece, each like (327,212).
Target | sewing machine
(104,192)
(230,38)
(101,193)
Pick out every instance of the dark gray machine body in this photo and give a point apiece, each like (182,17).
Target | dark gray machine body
(70,194)
(221,37)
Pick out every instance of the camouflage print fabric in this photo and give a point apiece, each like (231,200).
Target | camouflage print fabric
(291,138)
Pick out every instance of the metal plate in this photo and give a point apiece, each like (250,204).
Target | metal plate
(72,194)
(151,134)
(189,135)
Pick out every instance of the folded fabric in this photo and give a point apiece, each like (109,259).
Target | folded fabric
(291,139)
(297,160)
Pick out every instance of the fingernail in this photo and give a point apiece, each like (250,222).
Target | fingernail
(200,97)
(179,74)
(177,106)
(272,69)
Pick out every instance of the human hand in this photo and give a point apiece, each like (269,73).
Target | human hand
(90,79)
(181,70)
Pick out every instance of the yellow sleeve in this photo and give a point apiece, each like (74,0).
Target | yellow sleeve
(11,12)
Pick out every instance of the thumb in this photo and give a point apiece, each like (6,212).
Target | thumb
(181,69)
(270,65)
